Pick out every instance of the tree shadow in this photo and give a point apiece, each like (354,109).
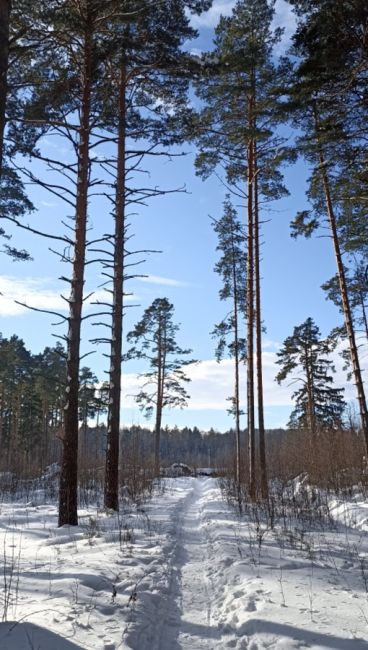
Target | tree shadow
(28,636)
(259,626)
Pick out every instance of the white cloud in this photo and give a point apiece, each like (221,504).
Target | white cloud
(211,17)
(212,382)
(285,18)
(35,292)
(48,204)
(41,294)
(166,282)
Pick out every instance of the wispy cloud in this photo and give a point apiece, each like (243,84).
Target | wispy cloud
(164,282)
(41,293)
(35,292)
(48,204)
(100,295)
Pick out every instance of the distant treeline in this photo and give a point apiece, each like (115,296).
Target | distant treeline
(188,445)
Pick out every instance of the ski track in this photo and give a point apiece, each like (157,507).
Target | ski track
(188,622)
(183,617)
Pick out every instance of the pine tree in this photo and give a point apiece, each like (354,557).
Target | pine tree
(151,85)
(67,103)
(154,340)
(231,267)
(237,132)
(303,358)
(329,102)
(22,38)
(87,396)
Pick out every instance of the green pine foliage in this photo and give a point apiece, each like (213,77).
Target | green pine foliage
(154,341)
(304,360)
(32,402)
(231,268)
(241,66)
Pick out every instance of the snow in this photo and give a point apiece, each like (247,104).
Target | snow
(184,571)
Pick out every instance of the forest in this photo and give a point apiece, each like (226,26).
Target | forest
(137,531)
(117,83)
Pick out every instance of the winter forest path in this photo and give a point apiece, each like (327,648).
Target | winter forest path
(217,588)
(189,616)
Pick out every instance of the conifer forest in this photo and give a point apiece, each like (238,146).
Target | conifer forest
(183,324)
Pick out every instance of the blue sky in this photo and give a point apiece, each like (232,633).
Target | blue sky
(179,225)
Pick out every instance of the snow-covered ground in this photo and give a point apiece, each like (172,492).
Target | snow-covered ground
(183,573)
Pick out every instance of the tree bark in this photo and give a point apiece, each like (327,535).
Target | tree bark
(250,307)
(310,393)
(113,422)
(69,463)
(159,398)
(5,9)
(237,361)
(158,434)
(257,271)
(343,288)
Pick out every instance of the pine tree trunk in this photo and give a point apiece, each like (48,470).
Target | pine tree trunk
(113,422)
(250,312)
(5,9)
(236,360)
(158,435)
(250,329)
(69,463)
(344,291)
(310,396)
(159,399)
(257,271)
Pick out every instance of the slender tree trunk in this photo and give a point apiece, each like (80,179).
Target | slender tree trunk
(257,271)
(159,399)
(113,421)
(310,396)
(250,311)
(69,463)
(344,290)
(236,360)
(45,421)
(5,9)
(158,434)
(364,314)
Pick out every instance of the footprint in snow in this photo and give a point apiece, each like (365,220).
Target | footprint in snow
(251,605)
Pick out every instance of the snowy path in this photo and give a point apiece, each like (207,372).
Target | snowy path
(189,614)
(183,572)
(223,591)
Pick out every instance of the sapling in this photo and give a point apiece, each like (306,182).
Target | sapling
(280,580)
(11,573)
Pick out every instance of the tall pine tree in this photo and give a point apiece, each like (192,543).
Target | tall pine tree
(231,267)
(330,105)
(154,340)
(237,133)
